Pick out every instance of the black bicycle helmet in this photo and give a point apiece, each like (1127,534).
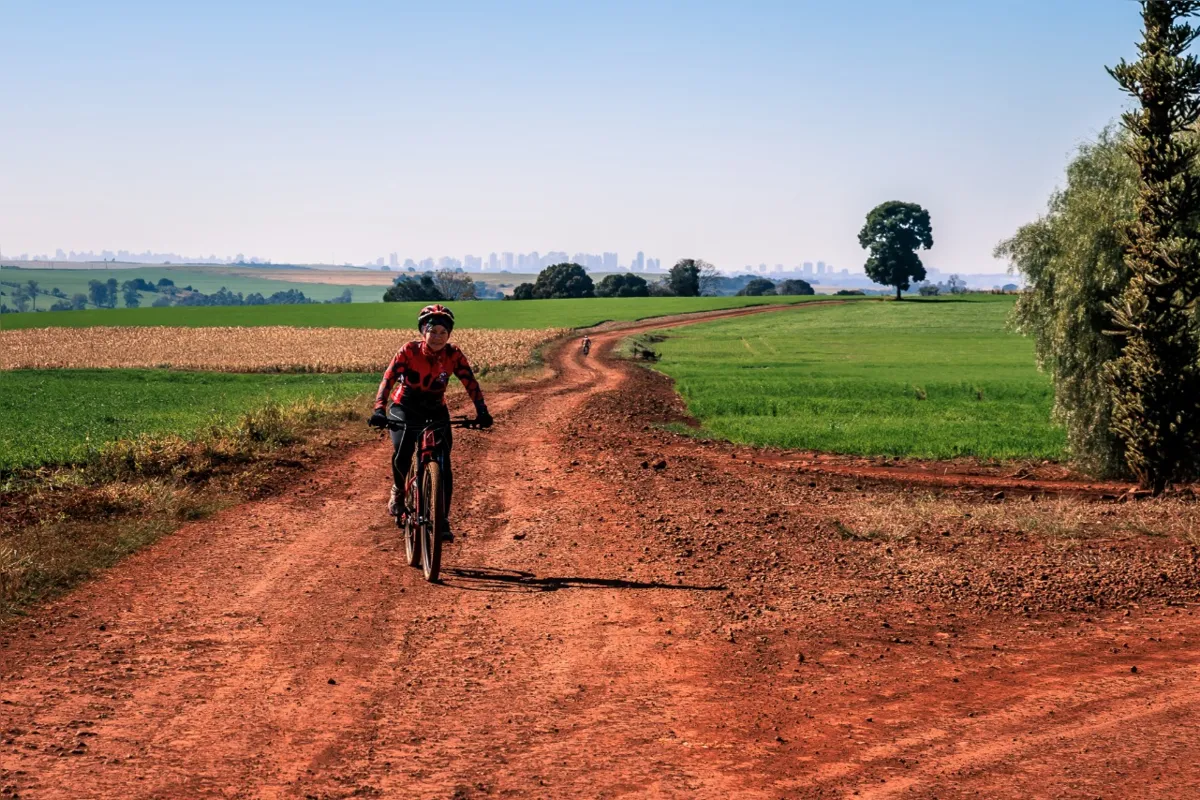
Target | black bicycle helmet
(436,313)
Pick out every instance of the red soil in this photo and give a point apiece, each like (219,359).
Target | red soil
(627,612)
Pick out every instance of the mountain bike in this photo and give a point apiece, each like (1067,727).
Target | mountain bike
(423,513)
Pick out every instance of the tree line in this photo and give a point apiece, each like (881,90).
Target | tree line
(687,278)
(105,294)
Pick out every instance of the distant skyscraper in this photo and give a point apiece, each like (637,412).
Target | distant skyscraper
(393,259)
(508,260)
(820,267)
(807,269)
(639,262)
(610,262)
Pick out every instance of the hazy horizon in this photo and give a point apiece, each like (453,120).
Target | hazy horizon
(738,134)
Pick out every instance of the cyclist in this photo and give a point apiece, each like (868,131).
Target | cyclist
(415,387)
(586,345)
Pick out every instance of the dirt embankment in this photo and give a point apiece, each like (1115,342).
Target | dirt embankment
(628,612)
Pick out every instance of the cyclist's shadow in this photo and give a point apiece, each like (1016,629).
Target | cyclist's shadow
(486,579)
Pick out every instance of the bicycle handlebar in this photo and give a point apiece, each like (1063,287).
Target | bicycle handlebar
(453,422)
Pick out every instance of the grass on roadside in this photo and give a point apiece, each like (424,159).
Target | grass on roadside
(58,526)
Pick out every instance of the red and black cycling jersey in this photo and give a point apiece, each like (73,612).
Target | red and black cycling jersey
(417,377)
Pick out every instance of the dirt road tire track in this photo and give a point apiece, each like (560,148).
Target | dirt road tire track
(596,636)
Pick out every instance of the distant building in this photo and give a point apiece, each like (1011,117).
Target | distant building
(507,260)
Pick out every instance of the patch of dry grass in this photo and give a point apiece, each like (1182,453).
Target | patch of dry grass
(896,516)
(267,349)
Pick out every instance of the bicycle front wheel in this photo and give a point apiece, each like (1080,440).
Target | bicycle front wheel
(412,529)
(431,521)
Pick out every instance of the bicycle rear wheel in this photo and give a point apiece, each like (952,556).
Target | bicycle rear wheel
(431,521)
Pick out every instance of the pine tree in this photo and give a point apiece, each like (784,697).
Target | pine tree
(1155,380)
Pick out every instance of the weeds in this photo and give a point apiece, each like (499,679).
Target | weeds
(58,526)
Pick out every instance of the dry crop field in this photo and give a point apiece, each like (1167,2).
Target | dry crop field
(267,349)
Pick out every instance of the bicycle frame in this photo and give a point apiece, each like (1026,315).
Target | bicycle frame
(430,448)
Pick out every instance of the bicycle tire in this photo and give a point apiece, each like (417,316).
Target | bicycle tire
(431,519)
(412,540)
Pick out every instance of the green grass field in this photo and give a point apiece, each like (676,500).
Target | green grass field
(476,314)
(206,280)
(850,379)
(53,417)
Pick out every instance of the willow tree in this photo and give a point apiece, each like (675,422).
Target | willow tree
(1073,265)
(1155,381)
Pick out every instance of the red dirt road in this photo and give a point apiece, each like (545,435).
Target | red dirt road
(613,623)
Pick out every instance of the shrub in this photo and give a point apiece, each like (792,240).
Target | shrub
(757,288)
(408,289)
(627,285)
(794,286)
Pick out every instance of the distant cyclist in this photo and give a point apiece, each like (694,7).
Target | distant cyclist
(415,386)
(586,346)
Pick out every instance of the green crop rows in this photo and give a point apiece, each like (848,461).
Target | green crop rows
(927,379)
(50,417)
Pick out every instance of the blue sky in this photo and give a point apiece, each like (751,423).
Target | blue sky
(737,132)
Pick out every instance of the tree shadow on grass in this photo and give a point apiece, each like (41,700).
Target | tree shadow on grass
(486,579)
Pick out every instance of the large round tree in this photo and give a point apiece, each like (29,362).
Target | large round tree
(893,233)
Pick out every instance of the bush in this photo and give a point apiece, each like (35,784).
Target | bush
(928,290)
(850,293)
(794,286)
(757,288)
(523,291)
(627,285)
(408,289)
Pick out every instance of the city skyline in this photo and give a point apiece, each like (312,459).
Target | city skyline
(532,261)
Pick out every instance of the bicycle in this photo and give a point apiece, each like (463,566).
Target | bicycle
(424,508)
(587,347)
